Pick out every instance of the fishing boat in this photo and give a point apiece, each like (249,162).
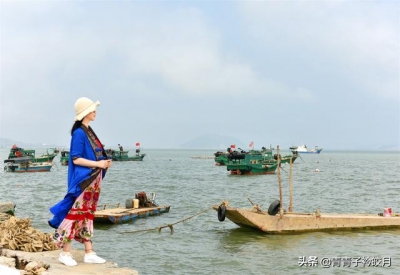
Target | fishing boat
(142,206)
(17,152)
(124,156)
(25,164)
(222,158)
(277,220)
(302,149)
(252,162)
(64,157)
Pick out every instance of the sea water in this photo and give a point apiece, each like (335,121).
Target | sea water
(333,181)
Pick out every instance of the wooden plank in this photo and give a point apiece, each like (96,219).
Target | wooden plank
(122,214)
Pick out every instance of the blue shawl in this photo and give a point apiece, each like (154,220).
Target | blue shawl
(83,145)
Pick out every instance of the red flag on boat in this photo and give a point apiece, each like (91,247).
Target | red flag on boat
(137,143)
(251,144)
(233,146)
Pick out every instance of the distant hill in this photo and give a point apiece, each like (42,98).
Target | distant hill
(6,142)
(212,141)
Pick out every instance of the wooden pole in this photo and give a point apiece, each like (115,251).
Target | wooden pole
(280,184)
(291,186)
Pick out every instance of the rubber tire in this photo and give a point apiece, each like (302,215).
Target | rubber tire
(274,208)
(221,213)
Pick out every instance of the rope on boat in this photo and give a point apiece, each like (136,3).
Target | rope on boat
(170,225)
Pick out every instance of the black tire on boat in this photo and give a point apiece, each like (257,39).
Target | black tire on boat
(274,208)
(221,213)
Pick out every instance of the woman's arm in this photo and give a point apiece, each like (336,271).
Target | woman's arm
(103,164)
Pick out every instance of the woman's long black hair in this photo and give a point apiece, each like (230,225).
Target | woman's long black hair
(76,125)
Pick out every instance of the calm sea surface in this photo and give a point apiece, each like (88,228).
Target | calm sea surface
(347,182)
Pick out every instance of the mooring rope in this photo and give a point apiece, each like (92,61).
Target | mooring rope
(170,225)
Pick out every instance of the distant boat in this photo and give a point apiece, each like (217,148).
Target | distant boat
(25,164)
(116,155)
(64,157)
(221,158)
(252,162)
(302,149)
(17,152)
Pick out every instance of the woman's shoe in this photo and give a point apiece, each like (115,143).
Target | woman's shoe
(67,259)
(92,258)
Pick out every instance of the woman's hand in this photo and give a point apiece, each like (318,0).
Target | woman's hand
(104,164)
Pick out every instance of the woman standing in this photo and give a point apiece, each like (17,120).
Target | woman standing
(87,166)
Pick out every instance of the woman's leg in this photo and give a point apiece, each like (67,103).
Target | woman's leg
(88,247)
(65,256)
(66,247)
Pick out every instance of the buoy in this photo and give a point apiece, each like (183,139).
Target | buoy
(317,170)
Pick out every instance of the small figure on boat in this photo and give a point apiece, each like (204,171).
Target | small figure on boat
(120,147)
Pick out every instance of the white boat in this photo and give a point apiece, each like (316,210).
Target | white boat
(304,150)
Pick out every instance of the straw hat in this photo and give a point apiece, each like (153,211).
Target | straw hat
(84,106)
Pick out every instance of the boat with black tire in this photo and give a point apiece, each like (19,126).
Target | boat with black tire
(278,220)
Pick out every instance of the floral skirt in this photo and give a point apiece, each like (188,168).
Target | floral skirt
(78,224)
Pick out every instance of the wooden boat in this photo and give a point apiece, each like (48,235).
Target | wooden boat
(291,222)
(144,207)
(64,157)
(17,152)
(123,214)
(304,150)
(278,221)
(25,164)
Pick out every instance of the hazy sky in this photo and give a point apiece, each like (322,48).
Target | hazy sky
(322,73)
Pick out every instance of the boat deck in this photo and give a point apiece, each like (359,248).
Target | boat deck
(123,215)
(306,222)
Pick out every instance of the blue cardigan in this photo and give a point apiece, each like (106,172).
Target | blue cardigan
(80,148)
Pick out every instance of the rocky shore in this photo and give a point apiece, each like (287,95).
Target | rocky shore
(46,263)
(25,250)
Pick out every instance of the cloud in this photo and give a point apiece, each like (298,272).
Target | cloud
(359,41)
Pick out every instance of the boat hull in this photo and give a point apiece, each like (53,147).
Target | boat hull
(123,215)
(302,149)
(308,222)
(32,167)
(251,169)
(310,152)
(133,158)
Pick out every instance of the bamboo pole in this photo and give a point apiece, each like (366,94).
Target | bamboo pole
(291,185)
(280,184)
